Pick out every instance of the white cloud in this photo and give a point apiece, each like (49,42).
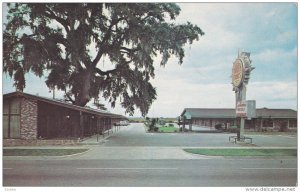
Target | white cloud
(275,90)
(175,95)
(274,94)
(272,56)
(275,65)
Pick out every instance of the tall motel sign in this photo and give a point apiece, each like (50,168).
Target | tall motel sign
(241,70)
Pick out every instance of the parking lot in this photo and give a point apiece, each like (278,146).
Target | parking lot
(136,135)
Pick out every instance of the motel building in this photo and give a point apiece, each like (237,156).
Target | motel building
(265,119)
(33,119)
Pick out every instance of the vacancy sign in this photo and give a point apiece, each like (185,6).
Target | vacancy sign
(246,109)
(241,109)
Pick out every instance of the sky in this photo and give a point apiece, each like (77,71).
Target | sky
(267,30)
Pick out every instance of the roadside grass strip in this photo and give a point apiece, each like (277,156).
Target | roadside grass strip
(243,152)
(41,152)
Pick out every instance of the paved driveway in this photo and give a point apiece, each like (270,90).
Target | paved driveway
(135,135)
(137,153)
(133,142)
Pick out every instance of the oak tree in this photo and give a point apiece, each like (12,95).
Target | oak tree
(66,41)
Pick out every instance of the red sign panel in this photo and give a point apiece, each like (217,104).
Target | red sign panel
(241,109)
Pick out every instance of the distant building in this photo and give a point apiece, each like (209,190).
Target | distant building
(31,117)
(266,119)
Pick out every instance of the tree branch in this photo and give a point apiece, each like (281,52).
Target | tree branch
(107,73)
(63,22)
(69,97)
(102,73)
(104,41)
(129,50)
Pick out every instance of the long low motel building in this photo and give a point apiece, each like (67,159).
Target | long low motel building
(266,119)
(31,117)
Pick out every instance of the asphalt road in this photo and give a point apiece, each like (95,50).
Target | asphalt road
(154,173)
(131,158)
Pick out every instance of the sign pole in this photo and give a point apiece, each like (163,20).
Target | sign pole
(243,98)
(240,76)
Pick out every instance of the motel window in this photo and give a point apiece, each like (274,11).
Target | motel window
(5,126)
(11,118)
(293,123)
(232,123)
(268,123)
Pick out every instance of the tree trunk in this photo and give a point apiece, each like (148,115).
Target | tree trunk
(83,96)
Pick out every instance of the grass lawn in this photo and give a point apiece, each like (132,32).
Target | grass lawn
(168,129)
(244,152)
(41,152)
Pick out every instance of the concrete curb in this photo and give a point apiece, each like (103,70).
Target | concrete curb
(75,154)
(204,156)
(135,153)
(243,157)
(88,149)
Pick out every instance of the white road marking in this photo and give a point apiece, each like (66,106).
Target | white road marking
(7,168)
(130,168)
(266,168)
(265,135)
(275,136)
(287,136)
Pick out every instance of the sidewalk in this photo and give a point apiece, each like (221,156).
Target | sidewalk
(141,153)
(85,143)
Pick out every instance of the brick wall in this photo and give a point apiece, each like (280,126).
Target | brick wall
(281,124)
(29,112)
(278,124)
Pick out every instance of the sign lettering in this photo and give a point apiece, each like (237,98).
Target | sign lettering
(241,109)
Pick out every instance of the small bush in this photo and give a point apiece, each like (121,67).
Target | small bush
(218,126)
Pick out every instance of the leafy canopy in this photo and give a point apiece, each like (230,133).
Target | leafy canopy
(66,41)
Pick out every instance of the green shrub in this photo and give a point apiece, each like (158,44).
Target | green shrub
(218,126)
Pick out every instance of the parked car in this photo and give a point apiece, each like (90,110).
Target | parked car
(220,126)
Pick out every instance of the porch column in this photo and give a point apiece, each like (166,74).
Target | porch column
(81,125)
(183,127)
(190,125)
